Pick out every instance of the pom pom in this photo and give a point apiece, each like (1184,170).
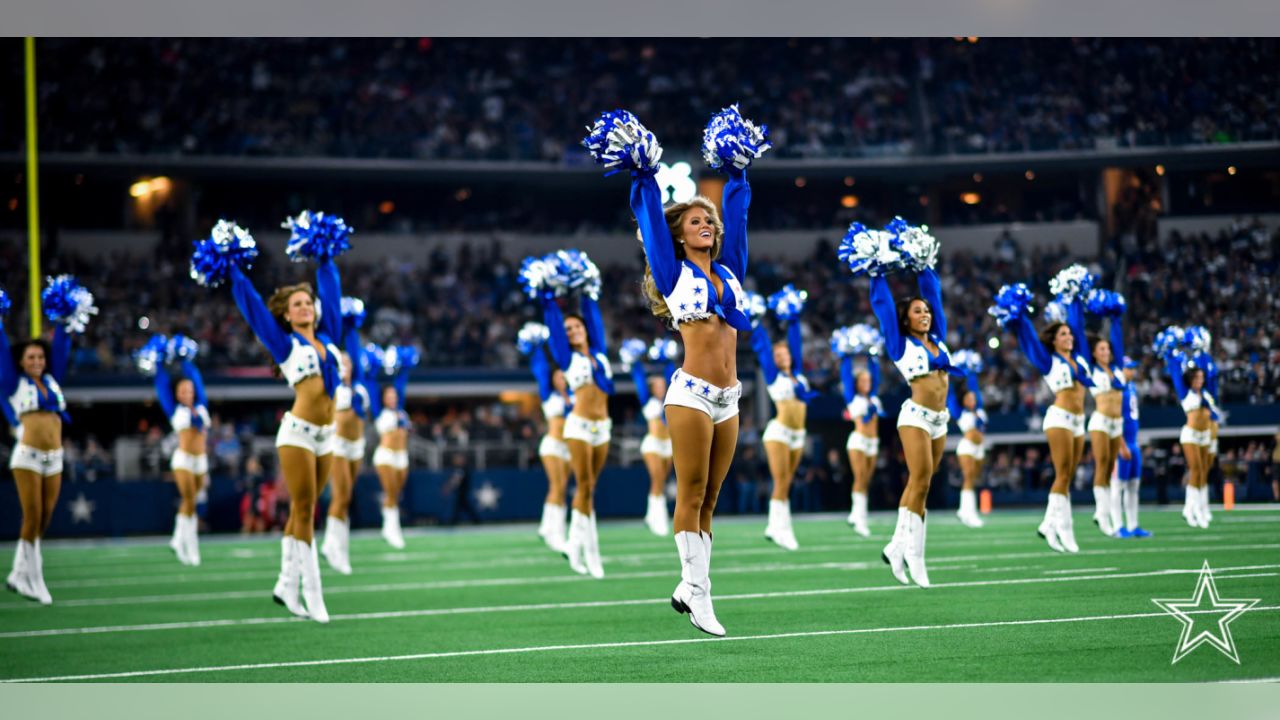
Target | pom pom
(68,302)
(1197,338)
(536,275)
(353,312)
(227,246)
(149,357)
(181,347)
(632,350)
(1104,302)
(918,249)
(756,307)
(732,139)
(967,360)
(398,357)
(619,142)
(316,236)
(866,339)
(1055,311)
(867,251)
(4,302)
(1168,340)
(371,359)
(1071,283)
(1012,302)
(531,336)
(578,272)
(664,350)
(788,302)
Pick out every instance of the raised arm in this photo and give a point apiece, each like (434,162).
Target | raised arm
(164,390)
(596,338)
(873,369)
(192,373)
(260,319)
(954,407)
(931,293)
(1117,339)
(641,380)
(329,289)
(61,353)
(1075,321)
(402,384)
(8,369)
(659,248)
(351,344)
(1173,363)
(887,314)
(1030,344)
(971,379)
(561,353)
(795,343)
(763,347)
(541,370)
(848,382)
(736,200)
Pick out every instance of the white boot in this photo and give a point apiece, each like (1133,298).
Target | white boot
(1066,525)
(1205,510)
(779,528)
(543,524)
(1048,527)
(1131,497)
(656,516)
(859,515)
(574,547)
(312,593)
(286,590)
(591,549)
(1189,507)
(552,527)
(1102,510)
(968,513)
(337,534)
(853,509)
(19,579)
(176,542)
(391,527)
(191,540)
(1116,504)
(693,594)
(916,531)
(35,571)
(895,552)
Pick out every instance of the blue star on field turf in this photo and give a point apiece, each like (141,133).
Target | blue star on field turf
(1223,610)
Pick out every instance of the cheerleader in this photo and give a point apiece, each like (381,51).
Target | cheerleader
(1128,473)
(693,266)
(1200,341)
(351,405)
(30,375)
(577,344)
(299,327)
(655,448)
(1106,424)
(1054,353)
(964,402)
(552,451)
(863,404)
(187,407)
(1189,385)
(391,459)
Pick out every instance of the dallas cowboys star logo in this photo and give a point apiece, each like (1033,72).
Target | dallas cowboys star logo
(487,497)
(706,390)
(82,509)
(683,306)
(697,305)
(688,384)
(697,291)
(1222,609)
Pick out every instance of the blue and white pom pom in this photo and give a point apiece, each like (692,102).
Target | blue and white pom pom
(353,312)
(397,357)
(371,358)
(573,270)
(733,140)
(181,347)
(316,236)
(618,141)
(535,276)
(68,302)
(1072,282)
(866,339)
(842,341)
(757,306)
(1168,340)
(664,350)
(531,336)
(1012,302)
(967,360)
(149,357)
(4,302)
(919,249)
(1104,302)
(1055,311)
(1197,338)
(788,302)
(867,251)
(631,351)
(227,246)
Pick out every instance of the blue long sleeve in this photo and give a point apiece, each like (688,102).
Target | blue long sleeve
(351,344)
(763,348)
(795,343)
(1031,346)
(971,379)
(931,293)
(1117,340)
(953,402)
(375,394)
(192,373)
(329,290)
(8,369)
(541,370)
(164,390)
(659,247)
(402,385)
(669,369)
(642,382)
(260,319)
(1173,363)
(61,353)
(848,382)
(561,353)
(1075,321)
(9,417)
(736,201)
(873,369)
(596,338)
(887,314)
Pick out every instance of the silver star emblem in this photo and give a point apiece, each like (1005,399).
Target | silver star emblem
(1222,609)
(82,509)
(487,497)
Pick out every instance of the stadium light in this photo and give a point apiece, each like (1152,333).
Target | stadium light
(849,201)
(849,181)
(143,188)
(993,343)
(1160,170)
(801,182)
(676,181)
(970,198)
(1231,169)
(140,188)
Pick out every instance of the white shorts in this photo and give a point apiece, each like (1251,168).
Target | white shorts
(44,463)
(1056,417)
(1195,437)
(869,446)
(592,432)
(719,403)
(194,464)
(348,449)
(296,432)
(386,457)
(1113,427)
(977,451)
(552,447)
(653,445)
(779,433)
(934,422)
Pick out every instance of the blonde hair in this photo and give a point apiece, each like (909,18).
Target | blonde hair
(278,303)
(674,214)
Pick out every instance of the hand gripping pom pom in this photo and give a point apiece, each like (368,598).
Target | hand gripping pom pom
(917,248)
(841,342)
(397,357)
(68,302)
(664,350)
(227,246)
(1197,338)
(618,141)
(4,302)
(731,139)
(531,336)
(967,360)
(1104,302)
(866,339)
(573,270)
(632,350)
(1012,302)
(1071,283)
(536,276)
(1167,340)
(316,236)
(149,357)
(867,252)
(371,358)
(788,302)
(756,307)
(181,347)
(1055,311)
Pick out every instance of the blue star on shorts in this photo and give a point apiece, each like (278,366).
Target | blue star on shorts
(706,390)
(688,384)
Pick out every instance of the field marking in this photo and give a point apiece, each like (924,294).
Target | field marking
(1079,570)
(609,645)
(483,609)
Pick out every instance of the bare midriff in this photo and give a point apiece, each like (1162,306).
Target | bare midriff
(1071,399)
(1197,419)
(791,413)
(555,428)
(868,428)
(711,351)
(930,391)
(974,436)
(1108,403)
(659,429)
(311,403)
(349,425)
(42,430)
(192,441)
(590,402)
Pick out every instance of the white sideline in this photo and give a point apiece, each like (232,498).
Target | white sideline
(611,645)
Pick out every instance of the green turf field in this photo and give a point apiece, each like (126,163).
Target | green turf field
(489,605)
